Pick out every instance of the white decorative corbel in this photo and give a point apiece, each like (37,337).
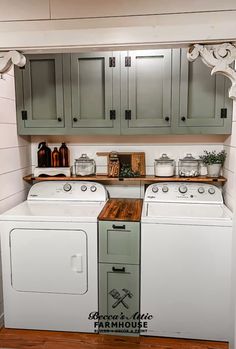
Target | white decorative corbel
(219,57)
(7,59)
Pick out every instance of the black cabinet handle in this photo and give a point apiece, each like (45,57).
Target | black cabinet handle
(59,119)
(167,118)
(223,113)
(183,118)
(118,270)
(112,114)
(75,119)
(128,115)
(118,226)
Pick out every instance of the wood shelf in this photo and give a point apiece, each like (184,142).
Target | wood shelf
(145,179)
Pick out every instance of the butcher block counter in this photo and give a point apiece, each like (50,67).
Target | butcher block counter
(127,210)
(119,261)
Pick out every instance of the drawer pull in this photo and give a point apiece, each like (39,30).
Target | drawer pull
(118,226)
(118,270)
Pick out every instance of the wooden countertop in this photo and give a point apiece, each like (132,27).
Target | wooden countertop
(122,210)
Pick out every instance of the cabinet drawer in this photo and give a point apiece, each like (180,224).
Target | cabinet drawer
(119,291)
(119,242)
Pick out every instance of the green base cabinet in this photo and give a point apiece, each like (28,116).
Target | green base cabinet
(119,277)
(119,298)
(119,242)
(121,93)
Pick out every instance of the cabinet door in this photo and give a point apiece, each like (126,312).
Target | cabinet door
(43,92)
(42,262)
(119,242)
(204,104)
(146,91)
(119,294)
(94,79)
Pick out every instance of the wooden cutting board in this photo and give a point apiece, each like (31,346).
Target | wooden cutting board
(122,210)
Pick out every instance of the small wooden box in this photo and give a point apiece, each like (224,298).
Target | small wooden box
(136,161)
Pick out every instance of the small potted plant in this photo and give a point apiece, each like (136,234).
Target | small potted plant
(214,162)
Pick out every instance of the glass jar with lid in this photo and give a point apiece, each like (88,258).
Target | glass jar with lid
(189,166)
(113,165)
(164,166)
(84,166)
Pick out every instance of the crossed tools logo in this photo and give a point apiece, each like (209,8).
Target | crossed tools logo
(120,298)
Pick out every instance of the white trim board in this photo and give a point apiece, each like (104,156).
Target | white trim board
(118,33)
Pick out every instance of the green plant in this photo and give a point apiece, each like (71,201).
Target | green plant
(212,157)
(127,172)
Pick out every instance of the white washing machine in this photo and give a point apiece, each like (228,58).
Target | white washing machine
(186,233)
(49,257)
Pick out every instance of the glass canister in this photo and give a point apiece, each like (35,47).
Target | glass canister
(189,166)
(84,166)
(164,166)
(113,165)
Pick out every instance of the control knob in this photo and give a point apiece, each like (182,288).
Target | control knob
(211,190)
(183,189)
(155,189)
(93,188)
(165,189)
(83,188)
(67,187)
(201,190)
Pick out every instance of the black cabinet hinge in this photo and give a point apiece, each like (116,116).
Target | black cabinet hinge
(112,114)
(24,114)
(128,61)
(112,62)
(128,115)
(223,113)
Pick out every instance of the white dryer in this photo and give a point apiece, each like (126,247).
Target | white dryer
(186,233)
(49,257)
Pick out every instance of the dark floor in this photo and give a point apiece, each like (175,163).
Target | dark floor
(27,339)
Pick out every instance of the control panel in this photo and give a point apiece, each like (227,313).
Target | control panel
(68,190)
(183,192)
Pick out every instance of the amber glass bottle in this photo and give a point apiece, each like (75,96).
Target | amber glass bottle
(64,155)
(55,158)
(44,155)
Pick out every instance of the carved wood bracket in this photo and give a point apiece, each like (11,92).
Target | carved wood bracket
(7,59)
(219,58)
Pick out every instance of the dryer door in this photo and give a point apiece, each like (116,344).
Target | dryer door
(49,261)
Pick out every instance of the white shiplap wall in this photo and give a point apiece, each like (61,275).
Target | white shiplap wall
(15,155)
(173,146)
(230,166)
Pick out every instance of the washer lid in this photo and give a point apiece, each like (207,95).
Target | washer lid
(181,213)
(54,211)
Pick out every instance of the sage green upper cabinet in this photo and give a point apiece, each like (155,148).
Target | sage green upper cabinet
(95,93)
(39,95)
(201,103)
(146,91)
(134,92)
